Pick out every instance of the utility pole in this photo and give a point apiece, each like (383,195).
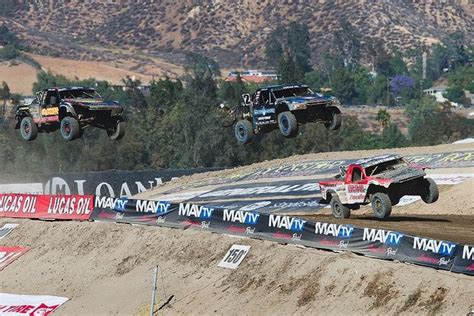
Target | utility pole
(424,56)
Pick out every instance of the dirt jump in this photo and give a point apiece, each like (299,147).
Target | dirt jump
(106,268)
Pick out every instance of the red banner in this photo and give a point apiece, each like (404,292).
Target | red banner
(77,207)
(10,254)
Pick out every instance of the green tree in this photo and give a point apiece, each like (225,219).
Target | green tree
(5,95)
(383,117)
(343,85)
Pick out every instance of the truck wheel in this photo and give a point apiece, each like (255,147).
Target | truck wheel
(116,130)
(28,129)
(339,210)
(70,129)
(381,205)
(430,193)
(243,132)
(288,124)
(335,118)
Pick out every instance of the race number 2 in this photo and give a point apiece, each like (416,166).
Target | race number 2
(234,256)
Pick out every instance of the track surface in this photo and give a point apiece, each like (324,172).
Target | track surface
(459,229)
(451,218)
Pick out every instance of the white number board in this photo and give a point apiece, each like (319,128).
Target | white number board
(234,256)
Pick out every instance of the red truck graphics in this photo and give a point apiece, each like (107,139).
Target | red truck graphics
(380,181)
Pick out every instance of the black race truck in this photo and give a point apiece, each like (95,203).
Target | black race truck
(283,107)
(70,110)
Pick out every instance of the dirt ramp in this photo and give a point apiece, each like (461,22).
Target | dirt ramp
(106,269)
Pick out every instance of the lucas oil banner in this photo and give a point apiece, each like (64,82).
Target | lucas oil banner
(376,243)
(78,207)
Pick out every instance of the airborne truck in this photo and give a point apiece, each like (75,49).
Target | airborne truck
(380,181)
(283,107)
(71,110)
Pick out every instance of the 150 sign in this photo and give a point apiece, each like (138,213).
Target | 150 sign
(234,256)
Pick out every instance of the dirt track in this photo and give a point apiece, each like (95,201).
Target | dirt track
(106,269)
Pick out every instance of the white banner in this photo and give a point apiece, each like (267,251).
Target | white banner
(35,305)
(6,229)
(22,188)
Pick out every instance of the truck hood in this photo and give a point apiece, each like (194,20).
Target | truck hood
(315,98)
(94,103)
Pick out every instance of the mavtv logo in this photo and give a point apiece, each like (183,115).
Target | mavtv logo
(383,236)
(436,246)
(112,203)
(286,222)
(248,218)
(193,210)
(344,231)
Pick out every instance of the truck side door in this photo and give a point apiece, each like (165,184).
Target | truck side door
(264,112)
(356,184)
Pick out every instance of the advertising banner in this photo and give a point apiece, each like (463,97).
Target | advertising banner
(378,243)
(77,207)
(33,305)
(10,254)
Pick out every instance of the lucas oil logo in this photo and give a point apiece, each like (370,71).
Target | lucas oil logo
(193,210)
(382,236)
(286,222)
(249,218)
(435,246)
(335,230)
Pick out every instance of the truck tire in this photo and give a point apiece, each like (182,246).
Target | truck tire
(70,128)
(430,193)
(243,131)
(335,118)
(381,205)
(28,129)
(288,124)
(339,210)
(116,130)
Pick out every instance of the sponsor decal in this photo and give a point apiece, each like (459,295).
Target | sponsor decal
(264,111)
(286,222)
(156,207)
(77,207)
(249,218)
(33,305)
(335,230)
(194,210)
(435,261)
(70,205)
(382,236)
(14,203)
(110,202)
(50,111)
(10,254)
(434,246)
(468,252)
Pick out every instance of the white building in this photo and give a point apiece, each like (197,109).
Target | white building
(438,92)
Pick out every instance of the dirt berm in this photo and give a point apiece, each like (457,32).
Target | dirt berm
(106,269)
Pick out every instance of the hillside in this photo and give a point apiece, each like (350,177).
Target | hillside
(233,32)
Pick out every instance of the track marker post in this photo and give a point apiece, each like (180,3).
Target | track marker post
(153,292)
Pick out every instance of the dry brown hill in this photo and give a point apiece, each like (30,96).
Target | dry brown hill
(224,29)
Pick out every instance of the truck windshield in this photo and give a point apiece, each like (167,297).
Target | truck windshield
(79,94)
(386,166)
(292,92)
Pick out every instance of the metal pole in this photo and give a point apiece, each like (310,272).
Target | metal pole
(153,295)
